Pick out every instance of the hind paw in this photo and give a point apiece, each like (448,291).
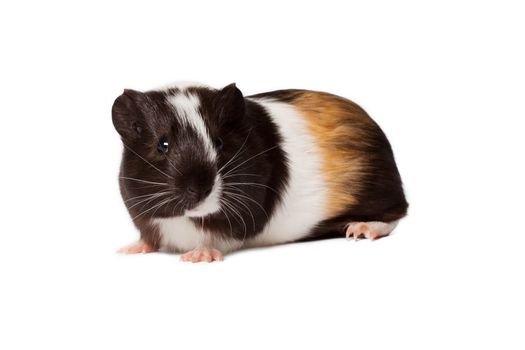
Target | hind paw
(370,230)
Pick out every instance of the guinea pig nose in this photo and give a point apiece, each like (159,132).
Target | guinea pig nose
(197,193)
(193,191)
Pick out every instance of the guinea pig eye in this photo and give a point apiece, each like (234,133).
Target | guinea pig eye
(162,146)
(219,143)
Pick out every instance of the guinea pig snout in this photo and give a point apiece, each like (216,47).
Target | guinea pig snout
(197,192)
(198,185)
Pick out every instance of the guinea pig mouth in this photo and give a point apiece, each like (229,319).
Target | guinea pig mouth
(208,205)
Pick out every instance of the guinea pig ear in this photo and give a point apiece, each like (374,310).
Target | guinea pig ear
(128,114)
(231,104)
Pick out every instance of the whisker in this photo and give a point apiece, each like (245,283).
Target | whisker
(166,202)
(236,212)
(251,199)
(173,166)
(240,174)
(143,181)
(142,196)
(176,206)
(238,171)
(251,158)
(237,153)
(138,155)
(149,199)
(153,207)
(149,187)
(250,184)
(238,200)
(227,218)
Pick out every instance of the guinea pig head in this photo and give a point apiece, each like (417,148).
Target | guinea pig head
(173,140)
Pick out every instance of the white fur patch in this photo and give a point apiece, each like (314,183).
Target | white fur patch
(180,234)
(304,202)
(187,108)
(211,204)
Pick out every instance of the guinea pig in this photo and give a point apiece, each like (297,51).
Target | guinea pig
(208,171)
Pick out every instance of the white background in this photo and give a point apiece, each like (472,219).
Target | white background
(444,80)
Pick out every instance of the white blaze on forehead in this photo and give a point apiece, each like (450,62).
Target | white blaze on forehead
(187,108)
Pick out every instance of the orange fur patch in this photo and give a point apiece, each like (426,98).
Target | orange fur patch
(340,126)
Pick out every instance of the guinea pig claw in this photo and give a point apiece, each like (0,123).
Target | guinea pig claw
(202,254)
(370,230)
(138,247)
(357,229)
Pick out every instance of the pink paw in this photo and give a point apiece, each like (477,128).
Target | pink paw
(357,229)
(136,248)
(202,254)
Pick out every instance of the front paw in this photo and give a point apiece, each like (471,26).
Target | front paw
(137,248)
(202,254)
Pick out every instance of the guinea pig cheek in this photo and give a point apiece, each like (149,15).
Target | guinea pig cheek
(210,204)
